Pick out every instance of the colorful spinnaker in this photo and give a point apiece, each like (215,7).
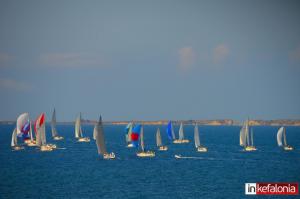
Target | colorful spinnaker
(170,131)
(135,135)
(23,126)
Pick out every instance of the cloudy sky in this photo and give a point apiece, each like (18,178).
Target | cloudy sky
(150,59)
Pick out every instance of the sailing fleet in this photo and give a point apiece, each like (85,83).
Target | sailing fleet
(134,136)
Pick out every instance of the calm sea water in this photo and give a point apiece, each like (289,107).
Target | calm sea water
(77,171)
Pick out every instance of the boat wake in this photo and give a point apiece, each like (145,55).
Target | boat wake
(193,157)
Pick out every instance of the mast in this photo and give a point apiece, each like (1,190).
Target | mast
(53,124)
(100,137)
(181,135)
(142,139)
(158,138)
(196,136)
(252,144)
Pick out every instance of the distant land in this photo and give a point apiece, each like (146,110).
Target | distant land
(221,122)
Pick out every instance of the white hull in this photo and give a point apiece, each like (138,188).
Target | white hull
(181,141)
(288,148)
(163,148)
(58,138)
(129,145)
(109,156)
(46,148)
(146,154)
(250,148)
(18,148)
(84,139)
(202,149)
(30,143)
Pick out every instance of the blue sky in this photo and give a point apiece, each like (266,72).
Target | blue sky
(150,60)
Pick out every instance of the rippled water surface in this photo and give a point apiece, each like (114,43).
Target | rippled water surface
(77,171)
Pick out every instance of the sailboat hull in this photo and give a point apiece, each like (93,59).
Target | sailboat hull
(163,148)
(46,148)
(30,142)
(250,148)
(288,148)
(146,154)
(130,145)
(109,156)
(18,148)
(181,141)
(58,138)
(84,139)
(202,149)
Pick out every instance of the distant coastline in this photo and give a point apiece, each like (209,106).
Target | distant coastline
(222,122)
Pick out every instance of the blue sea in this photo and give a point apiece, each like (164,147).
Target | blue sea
(78,172)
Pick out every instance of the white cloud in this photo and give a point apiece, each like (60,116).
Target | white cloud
(70,60)
(11,84)
(295,54)
(187,57)
(220,53)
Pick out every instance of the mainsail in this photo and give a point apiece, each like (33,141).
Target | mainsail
(181,135)
(244,135)
(99,133)
(170,131)
(53,124)
(196,136)
(158,138)
(39,128)
(78,130)
(95,132)
(142,139)
(128,131)
(30,132)
(14,141)
(279,136)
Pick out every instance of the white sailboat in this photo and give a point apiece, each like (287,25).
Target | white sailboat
(100,141)
(143,152)
(282,134)
(245,138)
(14,141)
(24,129)
(197,140)
(55,135)
(159,142)
(181,139)
(40,133)
(78,131)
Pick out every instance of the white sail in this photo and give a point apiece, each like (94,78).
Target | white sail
(181,134)
(158,138)
(129,131)
(14,141)
(78,130)
(247,135)
(142,139)
(42,131)
(53,124)
(21,121)
(99,134)
(173,134)
(242,137)
(95,132)
(30,132)
(252,143)
(279,136)
(284,137)
(196,136)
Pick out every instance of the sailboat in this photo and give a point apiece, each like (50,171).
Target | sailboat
(24,129)
(159,142)
(245,138)
(281,133)
(170,132)
(53,127)
(14,141)
(143,153)
(181,139)
(197,140)
(40,133)
(78,131)
(100,141)
(128,131)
